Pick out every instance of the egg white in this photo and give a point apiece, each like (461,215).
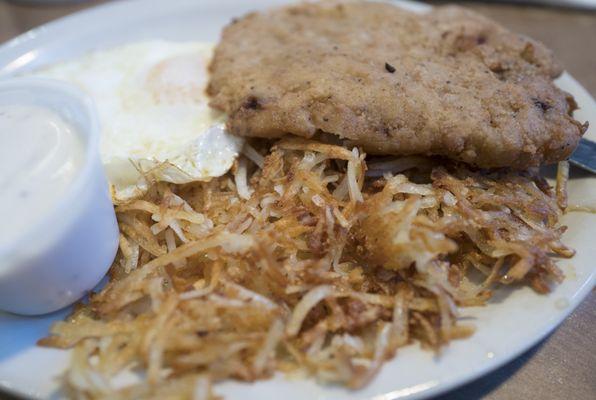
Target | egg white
(155,120)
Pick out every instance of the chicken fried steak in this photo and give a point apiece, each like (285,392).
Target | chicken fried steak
(449,83)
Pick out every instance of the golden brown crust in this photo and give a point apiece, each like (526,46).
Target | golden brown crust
(449,83)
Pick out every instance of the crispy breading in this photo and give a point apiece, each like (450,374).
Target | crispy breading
(449,83)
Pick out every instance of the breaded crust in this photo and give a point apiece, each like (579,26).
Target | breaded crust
(449,83)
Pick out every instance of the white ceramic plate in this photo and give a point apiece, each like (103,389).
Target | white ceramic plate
(510,324)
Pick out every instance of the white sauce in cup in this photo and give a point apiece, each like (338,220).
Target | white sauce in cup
(40,155)
(58,228)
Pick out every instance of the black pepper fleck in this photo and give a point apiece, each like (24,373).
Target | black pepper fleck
(252,103)
(541,104)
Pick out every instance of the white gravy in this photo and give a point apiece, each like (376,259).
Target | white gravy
(40,155)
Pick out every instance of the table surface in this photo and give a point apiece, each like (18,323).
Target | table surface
(563,366)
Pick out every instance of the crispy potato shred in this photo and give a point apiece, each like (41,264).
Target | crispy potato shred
(304,259)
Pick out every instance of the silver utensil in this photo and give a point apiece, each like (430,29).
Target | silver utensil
(580,4)
(585,155)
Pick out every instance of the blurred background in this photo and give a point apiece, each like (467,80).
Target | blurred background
(564,365)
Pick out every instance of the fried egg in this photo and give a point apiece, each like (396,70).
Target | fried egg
(155,120)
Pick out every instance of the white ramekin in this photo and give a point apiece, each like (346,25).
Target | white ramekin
(69,251)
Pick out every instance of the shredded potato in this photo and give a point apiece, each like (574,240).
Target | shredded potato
(561,186)
(303,260)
